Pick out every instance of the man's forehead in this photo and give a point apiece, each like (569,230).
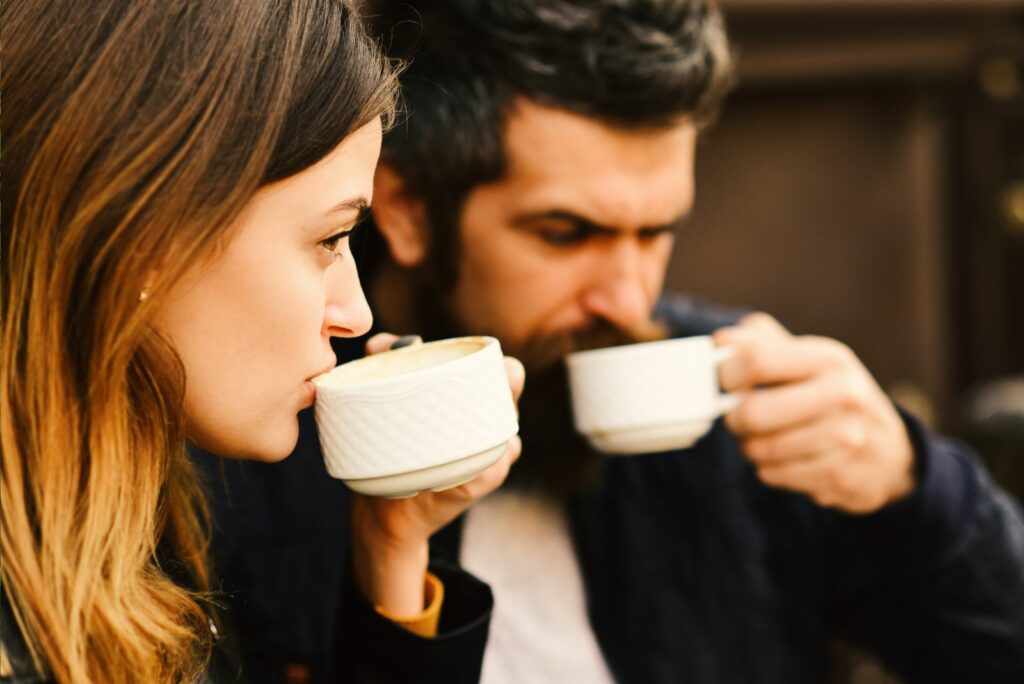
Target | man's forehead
(558,160)
(559,136)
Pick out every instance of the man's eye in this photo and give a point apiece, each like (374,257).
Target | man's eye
(654,233)
(563,237)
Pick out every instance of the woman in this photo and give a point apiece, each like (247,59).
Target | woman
(179,181)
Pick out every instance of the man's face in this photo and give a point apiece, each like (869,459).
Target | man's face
(577,236)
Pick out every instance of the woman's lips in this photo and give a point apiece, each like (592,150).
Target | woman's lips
(326,369)
(309,387)
(308,393)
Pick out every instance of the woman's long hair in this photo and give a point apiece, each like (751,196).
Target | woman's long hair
(133,133)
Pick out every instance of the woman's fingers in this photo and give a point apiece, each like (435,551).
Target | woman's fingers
(384,341)
(493,476)
(442,506)
(380,342)
(487,480)
(515,449)
(407,341)
(516,376)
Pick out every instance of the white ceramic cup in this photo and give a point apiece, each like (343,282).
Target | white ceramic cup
(648,397)
(430,416)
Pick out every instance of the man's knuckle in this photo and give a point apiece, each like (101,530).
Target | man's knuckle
(758,361)
(833,351)
(823,498)
(832,478)
(852,435)
(842,480)
(849,398)
(748,415)
(840,353)
(756,318)
(760,449)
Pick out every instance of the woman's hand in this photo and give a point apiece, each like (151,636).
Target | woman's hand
(390,535)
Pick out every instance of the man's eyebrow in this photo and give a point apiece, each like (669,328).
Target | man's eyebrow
(578,222)
(354,204)
(582,223)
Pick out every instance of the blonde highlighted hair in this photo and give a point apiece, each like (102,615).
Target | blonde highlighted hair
(133,134)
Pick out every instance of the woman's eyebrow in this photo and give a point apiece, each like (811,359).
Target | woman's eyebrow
(354,204)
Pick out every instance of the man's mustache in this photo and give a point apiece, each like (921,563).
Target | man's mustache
(544,351)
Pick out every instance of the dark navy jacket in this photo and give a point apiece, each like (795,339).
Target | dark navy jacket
(694,571)
(281,552)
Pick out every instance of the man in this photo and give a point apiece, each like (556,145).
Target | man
(532,193)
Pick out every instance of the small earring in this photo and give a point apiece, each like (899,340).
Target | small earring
(143,296)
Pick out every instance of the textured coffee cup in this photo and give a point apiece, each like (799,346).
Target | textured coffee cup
(429,416)
(648,397)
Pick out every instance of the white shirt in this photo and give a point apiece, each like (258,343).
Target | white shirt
(520,545)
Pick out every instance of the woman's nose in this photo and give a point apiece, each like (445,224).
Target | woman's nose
(347,313)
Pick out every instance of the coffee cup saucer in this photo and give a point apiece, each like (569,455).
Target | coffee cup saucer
(649,439)
(434,478)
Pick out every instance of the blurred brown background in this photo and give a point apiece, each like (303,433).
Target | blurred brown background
(866,182)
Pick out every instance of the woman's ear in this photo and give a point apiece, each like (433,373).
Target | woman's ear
(400,217)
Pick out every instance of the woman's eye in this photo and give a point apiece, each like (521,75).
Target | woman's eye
(331,243)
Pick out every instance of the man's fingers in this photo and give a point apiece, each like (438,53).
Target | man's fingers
(772,409)
(758,361)
(824,436)
(757,325)
(764,323)
(822,478)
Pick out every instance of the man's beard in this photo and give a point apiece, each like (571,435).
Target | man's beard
(556,460)
(543,352)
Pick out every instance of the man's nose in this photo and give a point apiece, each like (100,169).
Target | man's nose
(618,294)
(347,313)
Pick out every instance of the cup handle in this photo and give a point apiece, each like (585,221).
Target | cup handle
(727,401)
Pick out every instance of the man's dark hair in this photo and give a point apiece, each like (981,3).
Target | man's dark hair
(632,64)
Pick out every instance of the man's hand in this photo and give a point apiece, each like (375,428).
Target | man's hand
(812,419)
(390,535)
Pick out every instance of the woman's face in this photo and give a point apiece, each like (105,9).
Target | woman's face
(253,325)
